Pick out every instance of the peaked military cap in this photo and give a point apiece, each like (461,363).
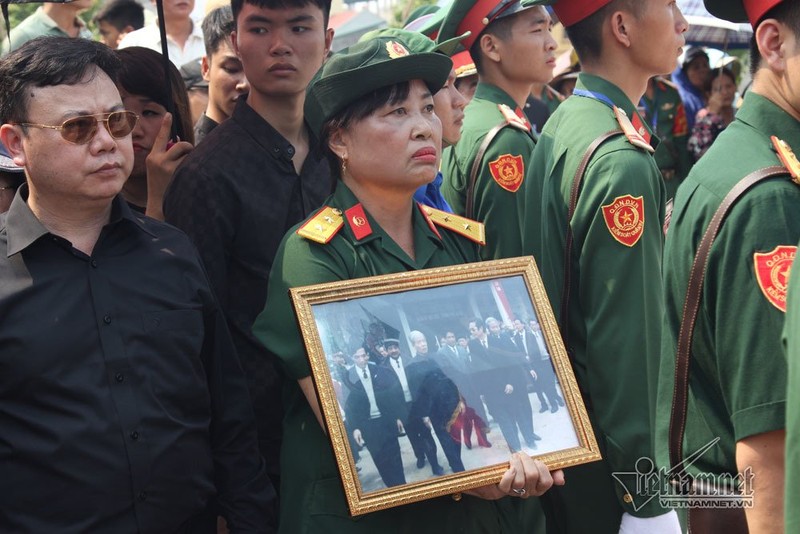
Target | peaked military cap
(741,10)
(369,65)
(475,15)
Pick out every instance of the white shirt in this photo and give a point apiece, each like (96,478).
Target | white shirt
(149,37)
(374,412)
(400,371)
(542,346)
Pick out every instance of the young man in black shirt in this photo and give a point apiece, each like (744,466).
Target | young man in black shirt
(122,402)
(258,174)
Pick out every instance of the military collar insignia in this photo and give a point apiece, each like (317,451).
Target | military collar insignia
(787,157)
(772,270)
(357,219)
(637,137)
(513,119)
(323,226)
(472,230)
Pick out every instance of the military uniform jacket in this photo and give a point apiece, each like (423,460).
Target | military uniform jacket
(737,385)
(616,301)
(666,116)
(312,498)
(791,336)
(500,191)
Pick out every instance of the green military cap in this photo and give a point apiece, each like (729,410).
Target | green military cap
(420,12)
(420,44)
(475,15)
(369,65)
(741,10)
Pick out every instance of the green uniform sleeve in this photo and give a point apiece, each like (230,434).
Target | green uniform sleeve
(791,335)
(622,304)
(498,206)
(299,262)
(751,373)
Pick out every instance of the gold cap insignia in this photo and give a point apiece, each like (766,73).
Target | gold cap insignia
(787,157)
(396,50)
(323,226)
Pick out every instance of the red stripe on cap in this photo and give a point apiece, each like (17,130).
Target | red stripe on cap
(756,9)
(358,222)
(573,11)
(473,21)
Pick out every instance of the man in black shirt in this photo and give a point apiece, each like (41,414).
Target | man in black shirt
(122,403)
(257,174)
(221,69)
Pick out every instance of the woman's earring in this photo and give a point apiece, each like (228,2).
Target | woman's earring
(344,164)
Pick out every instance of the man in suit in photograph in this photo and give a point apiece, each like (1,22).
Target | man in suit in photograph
(374,410)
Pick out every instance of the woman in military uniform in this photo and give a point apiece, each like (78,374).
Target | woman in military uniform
(373,107)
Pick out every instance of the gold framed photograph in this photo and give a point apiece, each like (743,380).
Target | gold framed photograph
(428,380)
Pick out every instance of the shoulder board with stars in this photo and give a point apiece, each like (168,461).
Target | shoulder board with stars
(511,118)
(323,226)
(472,230)
(635,138)
(787,157)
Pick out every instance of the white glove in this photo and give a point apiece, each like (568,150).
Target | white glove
(660,524)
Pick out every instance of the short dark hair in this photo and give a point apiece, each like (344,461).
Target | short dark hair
(45,62)
(217,28)
(121,14)
(324,5)
(142,73)
(478,323)
(785,12)
(500,28)
(356,111)
(586,36)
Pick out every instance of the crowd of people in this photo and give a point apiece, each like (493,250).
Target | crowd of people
(154,378)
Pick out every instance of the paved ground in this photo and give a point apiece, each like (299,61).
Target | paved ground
(555,430)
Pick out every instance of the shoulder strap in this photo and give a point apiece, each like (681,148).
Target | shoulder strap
(573,204)
(476,167)
(677,422)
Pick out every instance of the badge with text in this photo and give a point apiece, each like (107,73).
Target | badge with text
(358,222)
(625,219)
(772,273)
(508,171)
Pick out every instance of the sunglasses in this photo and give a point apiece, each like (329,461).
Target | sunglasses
(81,130)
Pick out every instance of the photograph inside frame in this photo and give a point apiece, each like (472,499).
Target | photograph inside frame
(438,381)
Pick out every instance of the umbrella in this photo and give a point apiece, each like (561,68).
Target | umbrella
(164,52)
(707,30)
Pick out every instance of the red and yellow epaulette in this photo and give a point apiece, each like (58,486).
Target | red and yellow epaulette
(639,138)
(787,157)
(666,82)
(512,118)
(472,230)
(323,226)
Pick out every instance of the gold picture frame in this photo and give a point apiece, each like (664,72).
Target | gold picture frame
(377,315)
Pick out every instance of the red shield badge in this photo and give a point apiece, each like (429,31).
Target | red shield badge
(625,219)
(772,273)
(508,171)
